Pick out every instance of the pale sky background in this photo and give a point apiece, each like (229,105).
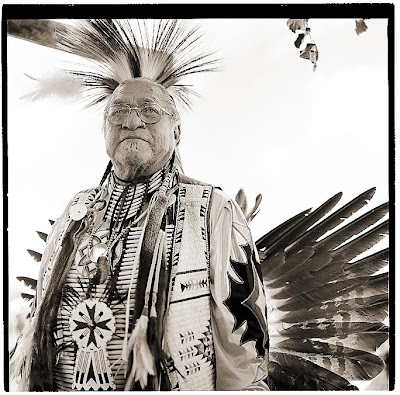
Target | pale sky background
(266,123)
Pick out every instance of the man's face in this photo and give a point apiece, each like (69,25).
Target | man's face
(145,148)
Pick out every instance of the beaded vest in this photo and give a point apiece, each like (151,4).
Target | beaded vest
(91,327)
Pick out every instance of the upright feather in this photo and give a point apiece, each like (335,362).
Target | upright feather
(118,50)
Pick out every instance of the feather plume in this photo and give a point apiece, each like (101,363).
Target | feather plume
(57,84)
(255,210)
(118,50)
(331,271)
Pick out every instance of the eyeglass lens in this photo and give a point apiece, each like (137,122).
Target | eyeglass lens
(117,114)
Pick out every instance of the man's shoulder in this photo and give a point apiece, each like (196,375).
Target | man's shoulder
(86,192)
(184,179)
(83,196)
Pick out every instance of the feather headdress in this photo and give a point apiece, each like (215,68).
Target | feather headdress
(112,51)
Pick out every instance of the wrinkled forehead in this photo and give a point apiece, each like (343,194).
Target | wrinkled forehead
(138,91)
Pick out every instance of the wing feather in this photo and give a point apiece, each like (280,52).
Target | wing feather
(350,363)
(293,372)
(372,309)
(326,308)
(334,220)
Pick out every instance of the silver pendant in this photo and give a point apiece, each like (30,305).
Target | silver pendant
(85,266)
(97,251)
(77,211)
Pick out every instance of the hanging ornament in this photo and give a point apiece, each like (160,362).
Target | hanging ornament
(89,252)
(310,52)
(361,26)
(297,24)
(77,211)
(300,37)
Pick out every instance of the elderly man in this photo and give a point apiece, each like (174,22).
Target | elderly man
(150,280)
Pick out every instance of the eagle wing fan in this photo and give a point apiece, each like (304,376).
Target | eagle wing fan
(326,307)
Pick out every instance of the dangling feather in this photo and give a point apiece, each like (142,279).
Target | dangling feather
(326,310)
(143,360)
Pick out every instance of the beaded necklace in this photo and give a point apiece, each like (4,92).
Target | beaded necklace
(92,322)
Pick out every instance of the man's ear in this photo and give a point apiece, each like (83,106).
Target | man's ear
(177,133)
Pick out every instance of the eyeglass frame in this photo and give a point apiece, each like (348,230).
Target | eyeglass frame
(163,111)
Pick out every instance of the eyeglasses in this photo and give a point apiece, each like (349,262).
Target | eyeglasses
(149,113)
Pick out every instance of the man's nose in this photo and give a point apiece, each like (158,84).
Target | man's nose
(133,121)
